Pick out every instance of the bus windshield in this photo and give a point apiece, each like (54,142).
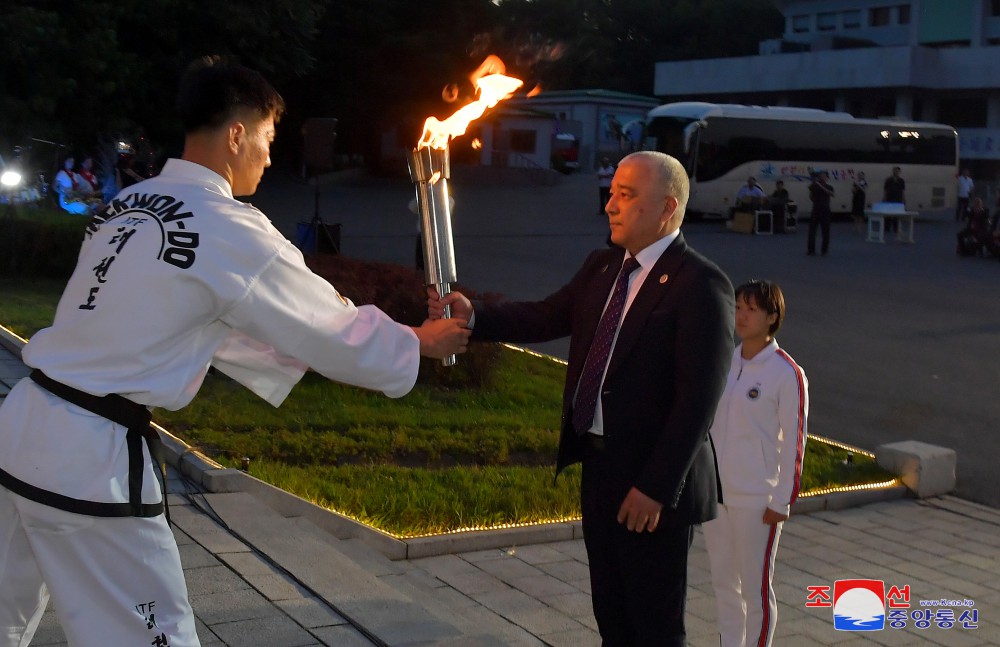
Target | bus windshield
(675,136)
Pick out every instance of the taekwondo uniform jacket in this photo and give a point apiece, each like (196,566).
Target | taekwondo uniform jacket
(174,276)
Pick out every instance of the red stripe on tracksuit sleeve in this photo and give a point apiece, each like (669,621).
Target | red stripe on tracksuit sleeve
(799,426)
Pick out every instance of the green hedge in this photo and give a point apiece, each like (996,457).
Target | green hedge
(39,242)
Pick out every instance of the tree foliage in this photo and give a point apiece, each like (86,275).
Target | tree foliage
(77,72)
(74,72)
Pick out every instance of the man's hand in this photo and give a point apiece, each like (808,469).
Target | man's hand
(443,337)
(771,517)
(639,512)
(461,307)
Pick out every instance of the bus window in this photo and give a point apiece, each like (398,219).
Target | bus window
(726,143)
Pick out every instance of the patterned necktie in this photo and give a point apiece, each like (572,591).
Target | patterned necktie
(600,348)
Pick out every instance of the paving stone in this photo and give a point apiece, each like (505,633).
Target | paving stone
(248,563)
(213,579)
(205,635)
(195,556)
(569,570)
(232,606)
(342,636)
(542,586)
(576,605)
(483,555)
(278,631)
(475,583)
(539,554)
(509,569)
(574,549)
(311,612)
(443,565)
(277,586)
(574,638)
(509,602)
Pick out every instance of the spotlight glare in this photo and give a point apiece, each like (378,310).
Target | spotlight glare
(10,178)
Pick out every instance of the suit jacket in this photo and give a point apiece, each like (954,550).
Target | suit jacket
(666,373)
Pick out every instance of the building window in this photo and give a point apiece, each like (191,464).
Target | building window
(852,19)
(826,21)
(522,141)
(878,17)
(904,14)
(800,24)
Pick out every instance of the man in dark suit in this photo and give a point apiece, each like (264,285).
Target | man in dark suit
(641,390)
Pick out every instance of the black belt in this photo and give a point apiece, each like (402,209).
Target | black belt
(136,419)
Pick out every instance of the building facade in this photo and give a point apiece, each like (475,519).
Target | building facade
(926,60)
(606,123)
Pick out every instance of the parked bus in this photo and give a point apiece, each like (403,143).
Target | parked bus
(722,145)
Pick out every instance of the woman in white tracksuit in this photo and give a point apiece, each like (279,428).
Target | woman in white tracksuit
(759,434)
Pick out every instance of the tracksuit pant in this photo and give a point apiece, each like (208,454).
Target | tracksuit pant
(741,550)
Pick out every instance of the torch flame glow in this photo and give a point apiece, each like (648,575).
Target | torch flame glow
(476,144)
(492,88)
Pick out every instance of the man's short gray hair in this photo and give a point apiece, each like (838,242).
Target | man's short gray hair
(672,177)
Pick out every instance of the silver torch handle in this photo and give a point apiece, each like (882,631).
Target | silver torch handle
(430,170)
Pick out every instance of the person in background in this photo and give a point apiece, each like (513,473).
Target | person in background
(965,187)
(759,432)
(820,193)
(976,238)
(125,173)
(604,175)
(650,323)
(179,279)
(67,186)
(749,194)
(88,180)
(894,190)
(779,202)
(859,189)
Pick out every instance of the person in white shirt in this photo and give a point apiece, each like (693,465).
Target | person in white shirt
(67,185)
(174,276)
(749,192)
(965,187)
(759,433)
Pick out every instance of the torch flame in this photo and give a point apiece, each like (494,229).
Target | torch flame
(492,88)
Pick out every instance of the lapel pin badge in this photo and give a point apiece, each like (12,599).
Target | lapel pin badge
(663,279)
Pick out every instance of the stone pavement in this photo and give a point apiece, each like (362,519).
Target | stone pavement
(269,580)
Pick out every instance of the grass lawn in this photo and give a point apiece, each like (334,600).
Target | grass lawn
(438,459)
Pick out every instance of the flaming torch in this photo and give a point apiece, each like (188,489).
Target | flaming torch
(430,171)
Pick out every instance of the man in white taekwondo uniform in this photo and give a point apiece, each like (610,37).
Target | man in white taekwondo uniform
(173,276)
